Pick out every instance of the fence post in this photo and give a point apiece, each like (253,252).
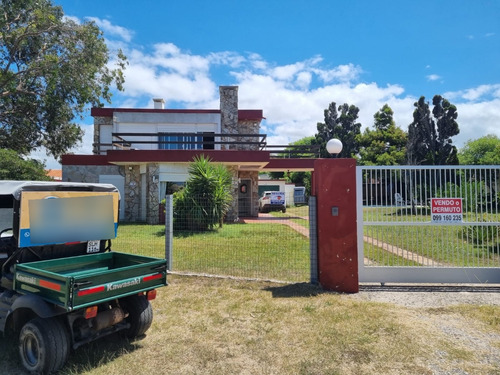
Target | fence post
(169,230)
(313,240)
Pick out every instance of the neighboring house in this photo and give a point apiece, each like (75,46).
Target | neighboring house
(54,174)
(145,152)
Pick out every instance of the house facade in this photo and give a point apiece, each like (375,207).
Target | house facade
(145,153)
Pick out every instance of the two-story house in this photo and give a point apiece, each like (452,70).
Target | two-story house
(146,153)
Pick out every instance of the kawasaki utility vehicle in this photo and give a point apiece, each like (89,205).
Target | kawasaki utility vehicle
(61,285)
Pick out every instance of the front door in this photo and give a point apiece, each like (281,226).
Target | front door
(244,198)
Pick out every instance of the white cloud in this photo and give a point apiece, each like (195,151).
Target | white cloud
(477,120)
(482,92)
(292,96)
(111,30)
(433,77)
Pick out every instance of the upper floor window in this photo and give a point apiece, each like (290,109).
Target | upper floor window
(186,142)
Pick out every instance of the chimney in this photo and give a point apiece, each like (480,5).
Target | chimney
(159,103)
(229,109)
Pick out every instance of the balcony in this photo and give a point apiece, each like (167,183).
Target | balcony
(198,141)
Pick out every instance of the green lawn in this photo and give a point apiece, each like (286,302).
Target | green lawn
(268,251)
(452,245)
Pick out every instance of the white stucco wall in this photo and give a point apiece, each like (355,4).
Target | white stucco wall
(143,122)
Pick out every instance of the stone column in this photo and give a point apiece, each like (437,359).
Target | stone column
(229,114)
(98,121)
(232,214)
(132,199)
(153,193)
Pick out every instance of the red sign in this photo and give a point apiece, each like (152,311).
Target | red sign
(446,210)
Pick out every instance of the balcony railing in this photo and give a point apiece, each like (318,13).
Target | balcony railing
(204,141)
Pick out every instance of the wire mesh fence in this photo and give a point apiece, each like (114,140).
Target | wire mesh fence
(273,246)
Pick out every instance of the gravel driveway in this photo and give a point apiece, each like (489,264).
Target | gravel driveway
(425,304)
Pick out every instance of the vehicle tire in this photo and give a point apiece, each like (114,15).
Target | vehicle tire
(283,210)
(44,345)
(140,315)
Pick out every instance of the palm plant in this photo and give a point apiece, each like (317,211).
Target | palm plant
(206,198)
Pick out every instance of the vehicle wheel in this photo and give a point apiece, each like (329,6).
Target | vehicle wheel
(283,210)
(44,345)
(140,315)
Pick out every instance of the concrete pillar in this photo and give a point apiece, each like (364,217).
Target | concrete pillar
(334,186)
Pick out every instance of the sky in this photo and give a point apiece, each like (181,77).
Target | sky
(293,58)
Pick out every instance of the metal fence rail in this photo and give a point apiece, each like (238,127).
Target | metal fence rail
(429,224)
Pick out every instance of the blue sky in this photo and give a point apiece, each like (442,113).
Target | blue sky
(292,58)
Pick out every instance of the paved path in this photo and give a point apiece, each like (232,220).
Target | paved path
(286,220)
(268,218)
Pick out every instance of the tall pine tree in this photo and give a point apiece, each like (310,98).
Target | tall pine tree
(429,136)
(339,124)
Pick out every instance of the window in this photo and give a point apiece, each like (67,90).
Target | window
(186,142)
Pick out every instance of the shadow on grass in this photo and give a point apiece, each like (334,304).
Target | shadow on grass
(100,352)
(85,358)
(295,290)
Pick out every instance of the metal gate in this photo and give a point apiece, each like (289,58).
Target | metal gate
(428,224)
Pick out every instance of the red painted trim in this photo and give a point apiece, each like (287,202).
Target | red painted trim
(50,285)
(84,160)
(250,115)
(179,156)
(243,114)
(290,164)
(110,111)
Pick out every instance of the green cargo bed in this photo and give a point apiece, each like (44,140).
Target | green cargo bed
(86,280)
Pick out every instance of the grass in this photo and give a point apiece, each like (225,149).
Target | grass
(215,326)
(267,251)
(297,214)
(446,244)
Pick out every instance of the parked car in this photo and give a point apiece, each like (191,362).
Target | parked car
(272,201)
(299,195)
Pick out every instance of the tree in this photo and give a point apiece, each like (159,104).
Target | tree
(386,145)
(343,127)
(481,151)
(206,199)
(14,167)
(51,69)
(429,136)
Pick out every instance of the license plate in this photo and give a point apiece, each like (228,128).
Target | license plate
(93,246)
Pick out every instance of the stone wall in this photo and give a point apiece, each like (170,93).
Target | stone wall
(232,214)
(248,127)
(132,199)
(152,193)
(229,115)
(98,121)
(89,173)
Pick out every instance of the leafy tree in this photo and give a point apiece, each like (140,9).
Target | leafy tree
(429,136)
(51,69)
(386,145)
(14,167)
(206,199)
(339,124)
(481,151)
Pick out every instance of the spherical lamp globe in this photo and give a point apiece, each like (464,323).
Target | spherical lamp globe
(334,146)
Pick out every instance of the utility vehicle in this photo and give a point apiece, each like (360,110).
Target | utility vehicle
(61,285)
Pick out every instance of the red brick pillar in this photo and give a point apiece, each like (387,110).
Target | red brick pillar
(334,184)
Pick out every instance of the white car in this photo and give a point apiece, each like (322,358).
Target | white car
(272,201)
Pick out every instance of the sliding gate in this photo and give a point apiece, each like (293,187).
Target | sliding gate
(429,225)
